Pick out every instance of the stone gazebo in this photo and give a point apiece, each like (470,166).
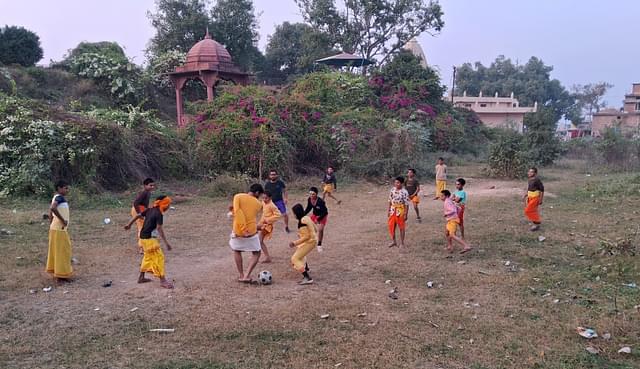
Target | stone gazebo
(210,62)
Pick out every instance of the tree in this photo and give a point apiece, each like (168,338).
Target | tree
(540,141)
(292,50)
(589,98)
(18,45)
(111,50)
(530,83)
(234,24)
(373,28)
(179,25)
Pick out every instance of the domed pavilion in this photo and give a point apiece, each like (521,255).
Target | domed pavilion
(209,62)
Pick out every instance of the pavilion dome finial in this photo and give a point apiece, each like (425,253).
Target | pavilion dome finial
(209,50)
(207,36)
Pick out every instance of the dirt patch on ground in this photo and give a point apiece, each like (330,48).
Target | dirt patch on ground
(480,313)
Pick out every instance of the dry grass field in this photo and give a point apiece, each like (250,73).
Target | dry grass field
(514,302)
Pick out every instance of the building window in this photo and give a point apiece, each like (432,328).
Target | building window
(514,105)
(467,105)
(483,105)
(638,107)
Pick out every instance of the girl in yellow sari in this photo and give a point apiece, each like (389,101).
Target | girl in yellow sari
(59,256)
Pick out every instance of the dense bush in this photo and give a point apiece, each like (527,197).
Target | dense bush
(19,46)
(507,155)
(38,147)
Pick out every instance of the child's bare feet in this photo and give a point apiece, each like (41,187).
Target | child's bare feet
(166,284)
(393,244)
(144,280)
(465,250)
(266,260)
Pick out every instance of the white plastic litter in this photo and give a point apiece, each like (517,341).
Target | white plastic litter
(47,289)
(625,350)
(587,333)
(107,220)
(162,330)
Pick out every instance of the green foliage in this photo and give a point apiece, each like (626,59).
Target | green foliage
(159,66)
(618,152)
(372,28)
(19,46)
(179,24)
(507,155)
(542,145)
(38,148)
(588,99)
(119,76)
(35,150)
(234,24)
(530,83)
(110,50)
(292,50)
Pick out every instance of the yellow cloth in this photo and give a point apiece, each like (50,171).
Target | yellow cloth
(415,199)
(533,193)
(328,188)
(245,214)
(452,226)
(270,214)
(440,186)
(139,224)
(59,256)
(306,241)
(153,259)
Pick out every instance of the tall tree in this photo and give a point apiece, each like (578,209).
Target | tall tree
(292,50)
(374,28)
(530,83)
(179,25)
(19,46)
(589,98)
(235,25)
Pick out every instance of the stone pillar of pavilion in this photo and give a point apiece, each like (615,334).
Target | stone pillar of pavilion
(209,62)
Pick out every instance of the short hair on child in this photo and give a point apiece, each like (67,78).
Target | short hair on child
(147,181)
(268,194)
(535,170)
(331,166)
(400,179)
(61,183)
(314,189)
(273,171)
(441,158)
(256,188)
(446,193)
(161,197)
(412,170)
(461,181)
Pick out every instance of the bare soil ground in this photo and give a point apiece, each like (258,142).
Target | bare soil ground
(481,313)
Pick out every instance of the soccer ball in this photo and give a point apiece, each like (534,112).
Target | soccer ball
(265,277)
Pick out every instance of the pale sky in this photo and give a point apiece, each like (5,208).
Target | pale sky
(584,40)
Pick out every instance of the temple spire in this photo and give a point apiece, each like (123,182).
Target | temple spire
(206,35)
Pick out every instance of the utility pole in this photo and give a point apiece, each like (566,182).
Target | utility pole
(453,84)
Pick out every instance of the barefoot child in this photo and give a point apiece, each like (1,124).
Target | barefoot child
(319,213)
(153,259)
(451,214)
(441,177)
(59,256)
(270,214)
(244,237)
(533,198)
(413,188)
(141,203)
(460,198)
(330,184)
(279,195)
(398,210)
(304,244)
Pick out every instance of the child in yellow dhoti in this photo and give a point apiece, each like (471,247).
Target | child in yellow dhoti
(398,211)
(305,243)
(413,188)
(270,214)
(330,184)
(453,221)
(441,177)
(153,259)
(140,204)
(59,255)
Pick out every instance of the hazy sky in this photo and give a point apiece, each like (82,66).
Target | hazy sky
(584,40)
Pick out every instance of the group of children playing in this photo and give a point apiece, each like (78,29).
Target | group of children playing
(406,191)
(250,234)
